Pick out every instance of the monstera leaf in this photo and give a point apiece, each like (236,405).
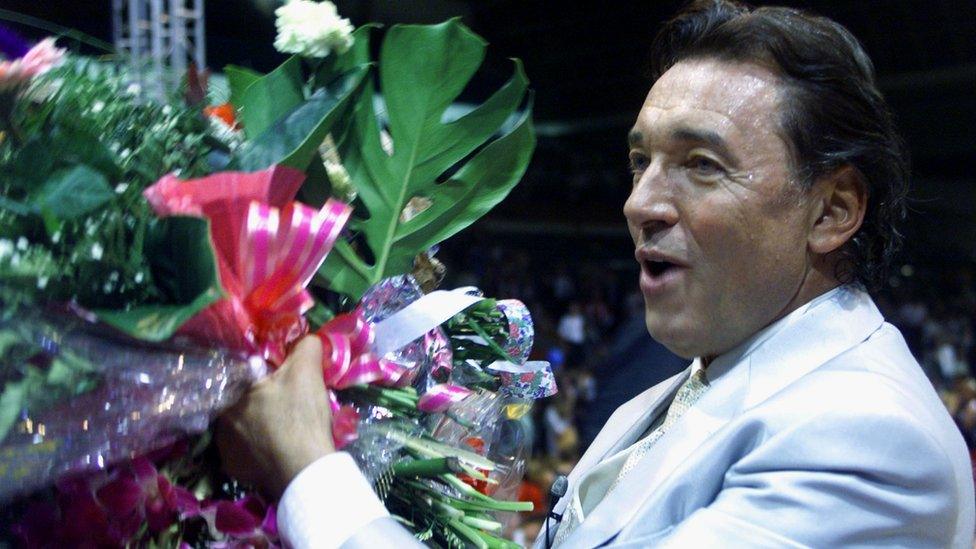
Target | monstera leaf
(451,170)
(282,125)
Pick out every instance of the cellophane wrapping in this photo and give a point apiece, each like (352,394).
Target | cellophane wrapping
(84,397)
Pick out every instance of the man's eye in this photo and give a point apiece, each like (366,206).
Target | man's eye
(638,162)
(704,166)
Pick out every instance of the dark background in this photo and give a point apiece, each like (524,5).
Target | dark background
(587,65)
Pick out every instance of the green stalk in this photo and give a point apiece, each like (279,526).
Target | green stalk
(491,342)
(434,449)
(462,422)
(451,512)
(486,501)
(468,533)
(425,467)
(410,395)
(495,505)
(499,543)
(488,525)
(394,403)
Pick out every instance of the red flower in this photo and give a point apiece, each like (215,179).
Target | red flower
(224,113)
(480,485)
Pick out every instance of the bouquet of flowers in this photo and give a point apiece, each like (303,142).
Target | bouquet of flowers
(158,257)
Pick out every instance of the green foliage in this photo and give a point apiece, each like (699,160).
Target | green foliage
(453,166)
(293,139)
(270,97)
(238,80)
(185,268)
(32,379)
(70,194)
(72,216)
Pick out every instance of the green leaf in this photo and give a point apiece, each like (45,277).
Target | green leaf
(155,322)
(238,80)
(317,187)
(185,269)
(16,207)
(8,340)
(294,138)
(63,147)
(471,192)
(72,193)
(11,403)
(32,164)
(270,97)
(358,54)
(422,70)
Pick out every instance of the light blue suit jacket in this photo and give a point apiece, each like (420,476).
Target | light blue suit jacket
(819,431)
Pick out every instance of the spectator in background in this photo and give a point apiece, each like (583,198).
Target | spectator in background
(562,439)
(563,288)
(598,314)
(572,331)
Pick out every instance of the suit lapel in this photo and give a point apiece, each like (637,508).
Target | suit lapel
(623,428)
(766,363)
(627,423)
(717,406)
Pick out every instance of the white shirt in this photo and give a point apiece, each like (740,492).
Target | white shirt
(326,503)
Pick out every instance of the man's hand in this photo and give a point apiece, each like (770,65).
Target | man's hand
(281,425)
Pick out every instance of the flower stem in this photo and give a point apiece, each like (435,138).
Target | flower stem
(491,342)
(468,533)
(426,467)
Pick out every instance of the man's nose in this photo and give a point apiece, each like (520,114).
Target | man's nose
(651,202)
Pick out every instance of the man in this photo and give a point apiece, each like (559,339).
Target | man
(766,178)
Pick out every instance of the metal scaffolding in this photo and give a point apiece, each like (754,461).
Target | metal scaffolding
(159,38)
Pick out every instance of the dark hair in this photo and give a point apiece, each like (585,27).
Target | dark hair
(834,114)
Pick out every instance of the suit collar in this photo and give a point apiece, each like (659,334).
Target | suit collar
(626,424)
(807,338)
(758,368)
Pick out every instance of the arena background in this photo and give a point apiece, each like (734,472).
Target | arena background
(559,241)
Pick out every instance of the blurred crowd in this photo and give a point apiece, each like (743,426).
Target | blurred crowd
(589,325)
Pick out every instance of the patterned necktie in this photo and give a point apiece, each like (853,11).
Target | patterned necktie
(689,393)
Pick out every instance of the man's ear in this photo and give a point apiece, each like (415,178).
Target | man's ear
(842,199)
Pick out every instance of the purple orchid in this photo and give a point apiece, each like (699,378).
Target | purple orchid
(246,522)
(108,510)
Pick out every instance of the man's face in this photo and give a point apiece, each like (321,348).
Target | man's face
(719,225)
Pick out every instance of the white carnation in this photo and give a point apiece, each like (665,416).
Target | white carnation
(311,29)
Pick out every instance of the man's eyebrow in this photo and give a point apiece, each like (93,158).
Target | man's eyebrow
(710,138)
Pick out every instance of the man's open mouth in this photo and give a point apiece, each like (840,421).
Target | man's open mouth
(658,268)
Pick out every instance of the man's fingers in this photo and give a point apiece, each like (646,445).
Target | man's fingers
(305,359)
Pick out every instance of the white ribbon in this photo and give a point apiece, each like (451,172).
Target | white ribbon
(420,317)
(530,366)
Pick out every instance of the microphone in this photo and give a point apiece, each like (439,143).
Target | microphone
(557,491)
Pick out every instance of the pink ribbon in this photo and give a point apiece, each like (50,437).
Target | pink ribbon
(268,247)
(440,397)
(346,362)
